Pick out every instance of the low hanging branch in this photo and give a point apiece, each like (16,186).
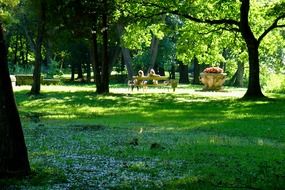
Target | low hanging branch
(272,27)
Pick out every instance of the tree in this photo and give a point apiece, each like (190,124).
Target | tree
(34,25)
(13,152)
(126,55)
(232,16)
(91,20)
(37,46)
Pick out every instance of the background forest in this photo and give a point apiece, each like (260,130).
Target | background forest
(89,41)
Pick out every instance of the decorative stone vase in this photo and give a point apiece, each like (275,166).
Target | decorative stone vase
(212,81)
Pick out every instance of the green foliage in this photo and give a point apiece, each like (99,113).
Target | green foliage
(21,70)
(53,69)
(195,40)
(139,35)
(167,53)
(275,83)
(9,2)
(136,36)
(272,51)
(6,7)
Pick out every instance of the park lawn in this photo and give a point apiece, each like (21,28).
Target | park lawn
(155,140)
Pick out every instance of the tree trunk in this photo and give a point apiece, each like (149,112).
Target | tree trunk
(127,60)
(184,77)
(36,86)
(22,51)
(237,79)
(126,55)
(48,56)
(161,71)
(72,76)
(223,66)
(196,72)
(254,88)
(79,71)
(13,152)
(96,64)
(116,51)
(153,52)
(104,87)
(26,55)
(88,71)
(172,71)
(16,51)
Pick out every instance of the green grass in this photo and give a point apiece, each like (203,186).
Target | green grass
(156,140)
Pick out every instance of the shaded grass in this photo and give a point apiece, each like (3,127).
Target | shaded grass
(205,142)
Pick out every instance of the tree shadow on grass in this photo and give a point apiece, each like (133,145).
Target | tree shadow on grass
(180,108)
(195,117)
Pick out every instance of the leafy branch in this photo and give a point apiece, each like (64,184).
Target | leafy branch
(272,27)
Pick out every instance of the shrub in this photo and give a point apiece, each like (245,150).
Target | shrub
(275,83)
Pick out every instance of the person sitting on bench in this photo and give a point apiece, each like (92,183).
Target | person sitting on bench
(137,82)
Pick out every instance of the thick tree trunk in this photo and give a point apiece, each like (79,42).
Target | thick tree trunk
(13,152)
(254,88)
(184,76)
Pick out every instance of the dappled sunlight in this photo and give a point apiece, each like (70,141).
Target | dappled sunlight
(152,137)
(227,93)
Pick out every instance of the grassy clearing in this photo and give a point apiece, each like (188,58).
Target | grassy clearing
(155,140)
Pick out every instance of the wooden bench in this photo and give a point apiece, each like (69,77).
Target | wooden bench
(25,79)
(145,81)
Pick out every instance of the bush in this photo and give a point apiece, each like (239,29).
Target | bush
(19,69)
(275,83)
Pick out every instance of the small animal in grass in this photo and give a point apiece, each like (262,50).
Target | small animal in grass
(156,146)
(134,142)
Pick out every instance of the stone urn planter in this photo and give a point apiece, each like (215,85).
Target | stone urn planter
(213,79)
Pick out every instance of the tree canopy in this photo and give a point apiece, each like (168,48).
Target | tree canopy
(252,21)
(232,32)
